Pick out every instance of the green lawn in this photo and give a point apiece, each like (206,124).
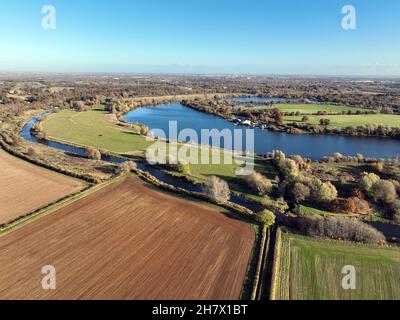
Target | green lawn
(91,128)
(310,269)
(351,120)
(314,108)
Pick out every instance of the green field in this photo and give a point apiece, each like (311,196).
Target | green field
(314,108)
(310,269)
(91,128)
(350,120)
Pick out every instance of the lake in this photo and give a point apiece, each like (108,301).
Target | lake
(307,145)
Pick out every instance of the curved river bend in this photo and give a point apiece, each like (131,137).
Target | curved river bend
(388,230)
(307,145)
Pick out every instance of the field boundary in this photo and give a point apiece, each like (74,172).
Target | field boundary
(276,264)
(257,276)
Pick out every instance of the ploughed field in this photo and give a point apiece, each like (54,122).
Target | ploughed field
(311,269)
(128,241)
(25,187)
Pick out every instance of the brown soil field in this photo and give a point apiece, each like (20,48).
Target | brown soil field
(128,241)
(25,187)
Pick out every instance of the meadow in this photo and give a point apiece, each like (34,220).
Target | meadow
(349,120)
(314,108)
(92,128)
(311,269)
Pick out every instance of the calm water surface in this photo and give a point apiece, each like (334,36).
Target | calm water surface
(308,145)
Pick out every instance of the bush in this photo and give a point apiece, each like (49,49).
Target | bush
(384,191)
(368,180)
(126,167)
(258,183)
(340,229)
(322,192)
(396,211)
(353,205)
(217,189)
(266,218)
(92,153)
(31,151)
(300,192)
(183,168)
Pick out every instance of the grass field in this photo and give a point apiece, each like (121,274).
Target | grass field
(314,108)
(128,241)
(351,120)
(26,187)
(310,269)
(91,128)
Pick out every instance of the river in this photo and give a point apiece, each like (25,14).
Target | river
(307,145)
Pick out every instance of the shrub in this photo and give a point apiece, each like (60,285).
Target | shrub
(126,167)
(258,183)
(31,151)
(396,211)
(340,229)
(384,191)
(322,192)
(368,180)
(300,192)
(92,153)
(324,122)
(266,218)
(183,168)
(290,169)
(217,189)
(357,206)
(305,119)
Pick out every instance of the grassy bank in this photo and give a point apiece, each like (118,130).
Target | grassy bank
(91,128)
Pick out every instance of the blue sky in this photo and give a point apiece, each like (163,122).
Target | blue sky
(202,36)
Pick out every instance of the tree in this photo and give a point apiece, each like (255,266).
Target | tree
(277,116)
(266,218)
(217,189)
(126,167)
(300,192)
(93,154)
(258,183)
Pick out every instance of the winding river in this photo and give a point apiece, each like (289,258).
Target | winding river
(307,145)
(388,230)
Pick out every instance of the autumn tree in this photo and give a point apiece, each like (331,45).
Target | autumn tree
(266,218)
(217,189)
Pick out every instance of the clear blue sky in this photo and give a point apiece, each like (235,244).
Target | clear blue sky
(202,36)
